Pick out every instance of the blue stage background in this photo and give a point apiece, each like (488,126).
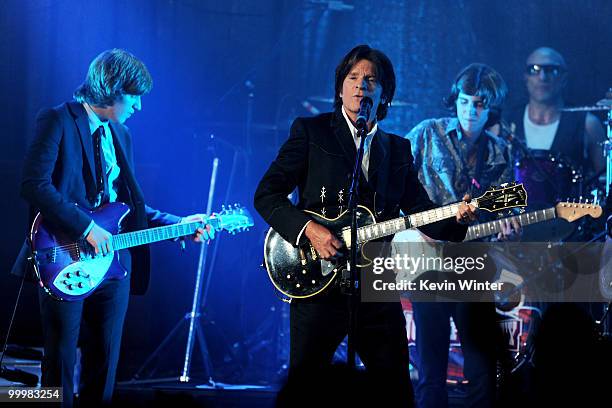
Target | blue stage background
(214,65)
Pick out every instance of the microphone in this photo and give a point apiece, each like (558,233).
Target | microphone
(364,112)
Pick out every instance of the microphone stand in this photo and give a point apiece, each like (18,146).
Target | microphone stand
(350,283)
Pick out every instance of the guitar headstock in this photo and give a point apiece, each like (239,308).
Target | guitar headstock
(233,219)
(508,195)
(573,211)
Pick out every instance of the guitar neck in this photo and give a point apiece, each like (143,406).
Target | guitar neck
(386,228)
(148,236)
(495,227)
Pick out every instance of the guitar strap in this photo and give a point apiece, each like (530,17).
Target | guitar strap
(482,146)
(473,184)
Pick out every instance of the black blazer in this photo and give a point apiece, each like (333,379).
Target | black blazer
(59,172)
(318,159)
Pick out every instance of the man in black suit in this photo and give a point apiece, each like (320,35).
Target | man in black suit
(318,159)
(82,153)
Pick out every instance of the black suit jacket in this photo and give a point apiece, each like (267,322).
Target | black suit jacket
(59,172)
(318,159)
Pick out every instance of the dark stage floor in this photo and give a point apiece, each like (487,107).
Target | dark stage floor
(181,395)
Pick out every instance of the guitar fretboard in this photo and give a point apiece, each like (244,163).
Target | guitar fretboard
(386,228)
(148,236)
(495,227)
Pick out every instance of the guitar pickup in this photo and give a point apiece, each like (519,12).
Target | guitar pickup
(44,257)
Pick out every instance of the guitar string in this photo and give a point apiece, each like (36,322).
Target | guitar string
(75,246)
(483,200)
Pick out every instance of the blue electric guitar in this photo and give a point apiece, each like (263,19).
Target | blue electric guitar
(70,270)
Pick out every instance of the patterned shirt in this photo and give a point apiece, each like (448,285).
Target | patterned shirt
(446,163)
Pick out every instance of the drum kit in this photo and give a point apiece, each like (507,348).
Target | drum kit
(518,327)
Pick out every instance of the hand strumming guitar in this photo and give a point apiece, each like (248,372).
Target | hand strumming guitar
(323,241)
(99,239)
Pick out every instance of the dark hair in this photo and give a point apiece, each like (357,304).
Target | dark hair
(112,74)
(480,80)
(384,75)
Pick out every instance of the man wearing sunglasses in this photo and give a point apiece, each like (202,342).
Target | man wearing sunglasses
(542,125)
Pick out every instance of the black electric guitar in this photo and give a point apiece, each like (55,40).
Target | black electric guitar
(298,272)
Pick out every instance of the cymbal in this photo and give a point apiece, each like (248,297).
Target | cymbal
(605,102)
(321,99)
(396,103)
(587,108)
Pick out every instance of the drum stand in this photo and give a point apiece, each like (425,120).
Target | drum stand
(604,323)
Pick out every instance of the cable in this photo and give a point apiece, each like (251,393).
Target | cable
(8,332)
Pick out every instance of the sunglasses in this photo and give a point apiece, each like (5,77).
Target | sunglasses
(551,70)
